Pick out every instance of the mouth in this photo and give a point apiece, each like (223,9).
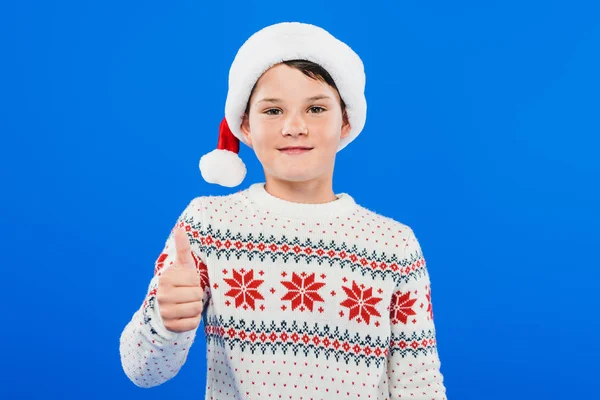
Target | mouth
(293,150)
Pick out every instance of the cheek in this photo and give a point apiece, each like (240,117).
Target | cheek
(256,132)
(261,134)
(330,131)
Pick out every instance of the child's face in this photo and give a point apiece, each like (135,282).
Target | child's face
(289,109)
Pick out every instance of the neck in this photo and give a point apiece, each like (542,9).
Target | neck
(314,192)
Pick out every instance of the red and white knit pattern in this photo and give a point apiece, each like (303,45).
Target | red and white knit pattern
(302,302)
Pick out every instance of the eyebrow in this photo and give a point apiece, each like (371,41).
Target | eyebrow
(308,99)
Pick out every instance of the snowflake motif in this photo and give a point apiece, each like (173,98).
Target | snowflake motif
(302,291)
(361,303)
(401,307)
(160,263)
(429,307)
(202,270)
(244,289)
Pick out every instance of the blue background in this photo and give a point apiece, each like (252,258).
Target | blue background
(482,135)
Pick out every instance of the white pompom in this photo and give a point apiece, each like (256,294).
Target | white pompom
(222,167)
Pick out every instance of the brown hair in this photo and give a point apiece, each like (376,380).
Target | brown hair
(312,70)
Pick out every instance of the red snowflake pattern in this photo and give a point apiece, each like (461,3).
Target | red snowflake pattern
(401,307)
(202,270)
(302,291)
(429,307)
(244,289)
(361,302)
(160,263)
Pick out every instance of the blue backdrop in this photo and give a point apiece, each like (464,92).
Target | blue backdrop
(482,135)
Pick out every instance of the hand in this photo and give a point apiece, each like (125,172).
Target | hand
(179,293)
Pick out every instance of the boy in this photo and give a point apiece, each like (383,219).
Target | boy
(304,293)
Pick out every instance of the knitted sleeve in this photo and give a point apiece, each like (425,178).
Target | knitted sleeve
(150,353)
(413,361)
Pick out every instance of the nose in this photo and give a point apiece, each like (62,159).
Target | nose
(294,125)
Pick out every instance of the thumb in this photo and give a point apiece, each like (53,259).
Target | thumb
(183,249)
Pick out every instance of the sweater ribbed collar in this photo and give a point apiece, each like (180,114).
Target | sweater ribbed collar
(344,204)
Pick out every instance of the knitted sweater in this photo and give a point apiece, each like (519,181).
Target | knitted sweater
(302,301)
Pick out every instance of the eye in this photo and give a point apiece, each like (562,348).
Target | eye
(316,109)
(272,111)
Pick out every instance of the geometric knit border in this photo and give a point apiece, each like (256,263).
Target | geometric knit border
(413,344)
(226,245)
(319,340)
(291,338)
(149,305)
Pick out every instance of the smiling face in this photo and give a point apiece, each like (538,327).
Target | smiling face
(294,124)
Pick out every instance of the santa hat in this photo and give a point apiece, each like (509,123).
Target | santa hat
(270,46)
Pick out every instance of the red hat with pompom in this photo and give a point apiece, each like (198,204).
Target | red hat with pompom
(223,166)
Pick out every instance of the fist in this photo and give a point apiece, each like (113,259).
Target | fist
(179,293)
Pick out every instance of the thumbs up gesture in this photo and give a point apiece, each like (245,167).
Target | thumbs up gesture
(179,293)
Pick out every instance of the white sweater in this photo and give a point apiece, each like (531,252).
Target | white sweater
(302,301)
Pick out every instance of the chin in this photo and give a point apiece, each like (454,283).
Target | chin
(294,176)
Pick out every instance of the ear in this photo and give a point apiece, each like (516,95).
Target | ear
(345,126)
(245,128)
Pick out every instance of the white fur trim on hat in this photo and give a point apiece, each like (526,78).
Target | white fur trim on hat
(294,40)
